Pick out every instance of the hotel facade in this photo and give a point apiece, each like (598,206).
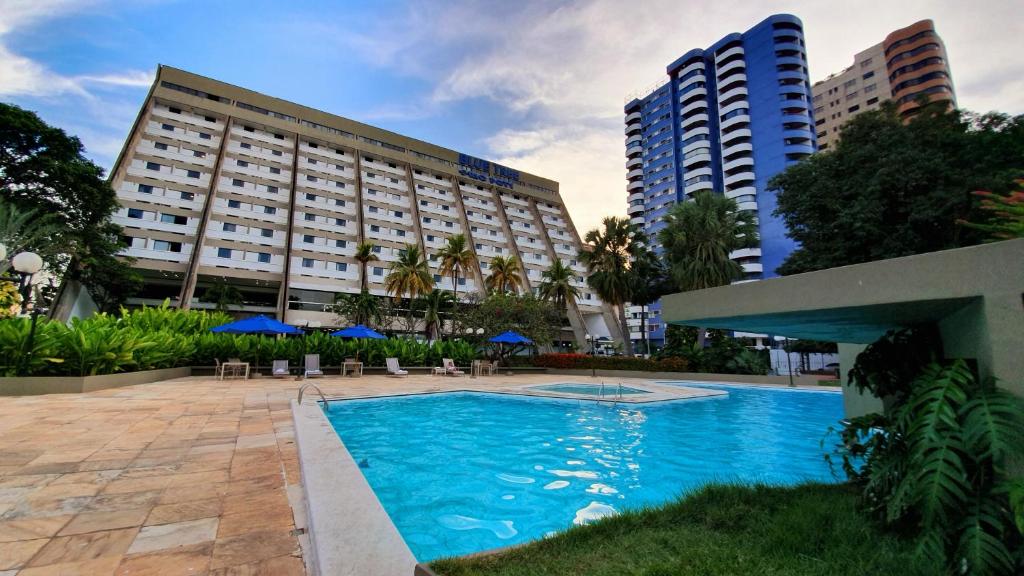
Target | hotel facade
(726,119)
(909,64)
(222,184)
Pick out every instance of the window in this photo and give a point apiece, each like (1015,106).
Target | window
(339,202)
(152,166)
(234,204)
(174,110)
(272,189)
(430,237)
(223,252)
(398,213)
(341,244)
(311,160)
(462,281)
(310,217)
(311,197)
(865,63)
(173,219)
(340,222)
(400,233)
(275,170)
(870,88)
(210,119)
(269,210)
(279,136)
(853,109)
(188,196)
(374,209)
(229,227)
(378,271)
(339,184)
(204,135)
(199,154)
(248,128)
(193,173)
(311,178)
(135,213)
(160,146)
(424,203)
(868,74)
(263,258)
(276,152)
(307,262)
(850,83)
(374,228)
(267,233)
(340,266)
(437,278)
(246,145)
(237,182)
(448,224)
(167,127)
(313,145)
(872,101)
(427,220)
(165,246)
(145,188)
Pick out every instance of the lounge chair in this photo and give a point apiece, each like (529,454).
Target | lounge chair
(450,369)
(487,367)
(394,369)
(313,366)
(280,369)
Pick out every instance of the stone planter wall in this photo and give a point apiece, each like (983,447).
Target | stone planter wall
(33,385)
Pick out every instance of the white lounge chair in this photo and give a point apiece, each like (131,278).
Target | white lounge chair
(313,366)
(450,369)
(280,369)
(394,369)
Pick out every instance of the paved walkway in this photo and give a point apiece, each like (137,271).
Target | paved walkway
(187,476)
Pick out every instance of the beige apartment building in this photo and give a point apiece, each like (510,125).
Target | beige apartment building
(222,184)
(909,64)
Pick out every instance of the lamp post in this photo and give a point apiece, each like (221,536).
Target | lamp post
(27,264)
(593,354)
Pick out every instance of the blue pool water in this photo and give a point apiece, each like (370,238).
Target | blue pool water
(464,472)
(589,389)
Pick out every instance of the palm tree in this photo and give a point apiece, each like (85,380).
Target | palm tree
(409,276)
(222,295)
(435,304)
(24,230)
(556,285)
(608,255)
(365,255)
(456,258)
(362,308)
(698,238)
(505,275)
(650,282)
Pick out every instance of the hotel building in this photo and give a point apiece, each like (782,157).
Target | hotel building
(909,64)
(726,119)
(219,183)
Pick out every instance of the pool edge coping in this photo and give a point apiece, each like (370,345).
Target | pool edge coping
(350,532)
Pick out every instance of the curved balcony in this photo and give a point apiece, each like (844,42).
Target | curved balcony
(732,93)
(752,267)
(795,89)
(695,131)
(634,127)
(693,106)
(736,148)
(638,220)
(697,187)
(702,91)
(697,159)
(635,210)
(634,151)
(783,60)
(789,46)
(697,172)
(742,119)
(788,32)
(635,196)
(703,117)
(634,162)
(632,117)
(744,191)
(721,70)
(635,139)
(745,253)
(807,148)
(730,52)
(741,177)
(699,64)
(635,185)
(796,119)
(737,163)
(738,133)
(690,81)
(694,145)
(635,173)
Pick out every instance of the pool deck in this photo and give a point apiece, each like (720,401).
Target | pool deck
(196,475)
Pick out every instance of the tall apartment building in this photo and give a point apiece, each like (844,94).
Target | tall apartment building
(219,183)
(910,63)
(727,119)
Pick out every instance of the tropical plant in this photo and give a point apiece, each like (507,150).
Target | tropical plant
(936,463)
(362,308)
(409,276)
(222,295)
(456,259)
(538,320)
(609,255)
(698,238)
(10,299)
(1005,214)
(45,354)
(505,275)
(364,255)
(435,305)
(26,230)
(650,282)
(556,285)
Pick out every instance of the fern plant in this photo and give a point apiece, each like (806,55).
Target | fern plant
(936,464)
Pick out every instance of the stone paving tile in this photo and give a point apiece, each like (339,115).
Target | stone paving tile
(190,473)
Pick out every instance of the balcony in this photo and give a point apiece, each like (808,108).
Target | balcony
(753,267)
(730,52)
(634,151)
(702,91)
(697,158)
(734,65)
(742,119)
(632,117)
(635,127)
(638,220)
(741,177)
(635,139)
(635,197)
(697,65)
(697,187)
(732,93)
(635,185)
(744,191)
(693,106)
(635,173)
(634,162)
(745,253)
(734,134)
(694,119)
(635,209)
(752,206)
(737,163)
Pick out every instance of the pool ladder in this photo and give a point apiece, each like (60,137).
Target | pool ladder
(302,390)
(618,391)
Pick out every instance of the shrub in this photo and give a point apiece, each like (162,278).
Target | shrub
(587,362)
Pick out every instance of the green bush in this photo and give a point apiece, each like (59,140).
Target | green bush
(587,362)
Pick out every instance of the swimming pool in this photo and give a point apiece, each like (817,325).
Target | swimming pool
(589,389)
(463,472)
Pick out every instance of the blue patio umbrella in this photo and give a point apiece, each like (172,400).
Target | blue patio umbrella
(510,337)
(256,325)
(359,331)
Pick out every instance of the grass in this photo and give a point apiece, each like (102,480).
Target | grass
(813,529)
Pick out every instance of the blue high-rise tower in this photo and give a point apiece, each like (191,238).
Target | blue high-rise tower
(727,119)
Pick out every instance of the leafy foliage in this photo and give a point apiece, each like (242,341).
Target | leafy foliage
(893,189)
(1006,214)
(363,308)
(608,255)
(456,258)
(587,362)
(222,295)
(532,317)
(506,275)
(722,355)
(936,464)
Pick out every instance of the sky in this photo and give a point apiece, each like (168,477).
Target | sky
(535,85)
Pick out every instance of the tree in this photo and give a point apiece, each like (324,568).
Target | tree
(364,255)
(608,256)
(456,258)
(1006,214)
(25,230)
(537,319)
(556,285)
(505,275)
(409,276)
(435,305)
(650,282)
(362,308)
(222,295)
(699,236)
(893,189)
(43,169)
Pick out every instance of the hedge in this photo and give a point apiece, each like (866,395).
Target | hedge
(587,362)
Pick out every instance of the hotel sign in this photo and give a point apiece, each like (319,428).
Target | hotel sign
(484,171)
